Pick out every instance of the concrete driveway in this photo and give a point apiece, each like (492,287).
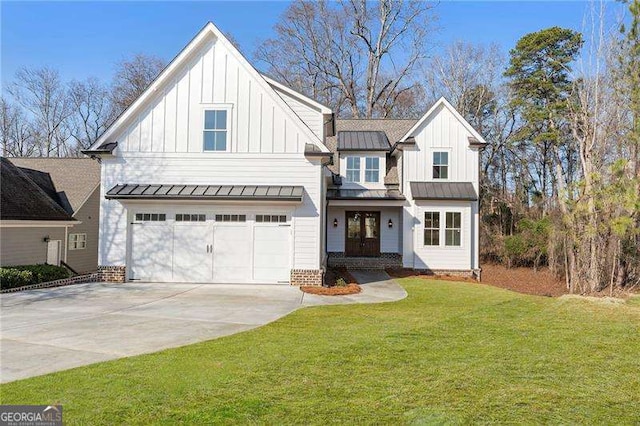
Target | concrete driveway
(48,330)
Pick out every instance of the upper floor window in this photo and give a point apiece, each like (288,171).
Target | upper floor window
(440,165)
(353,169)
(452,229)
(215,130)
(372,169)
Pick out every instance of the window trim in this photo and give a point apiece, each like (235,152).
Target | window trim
(217,107)
(359,169)
(446,228)
(431,229)
(72,244)
(434,165)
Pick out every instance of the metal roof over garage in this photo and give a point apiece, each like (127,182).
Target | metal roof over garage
(206,192)
(463,191)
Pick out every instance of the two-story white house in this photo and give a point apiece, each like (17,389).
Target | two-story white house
(218,174)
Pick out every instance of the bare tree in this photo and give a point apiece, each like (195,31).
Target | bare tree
(92,111)
(41,92)
(16,132)
(356,56)
(132,77)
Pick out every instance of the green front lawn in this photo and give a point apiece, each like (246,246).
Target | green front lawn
(449,353)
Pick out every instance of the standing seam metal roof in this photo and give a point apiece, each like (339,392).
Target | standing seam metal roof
(206,192)
(443,191)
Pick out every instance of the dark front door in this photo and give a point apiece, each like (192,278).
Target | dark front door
(362,234)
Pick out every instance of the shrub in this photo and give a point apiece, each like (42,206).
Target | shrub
(18,276)
(340,282)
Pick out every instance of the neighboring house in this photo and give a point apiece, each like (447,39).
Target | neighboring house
(33,227)
(217,173)
(73,183)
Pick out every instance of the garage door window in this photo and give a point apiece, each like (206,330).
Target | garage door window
(186,217)
(231,218)
(272,218)
(151,217)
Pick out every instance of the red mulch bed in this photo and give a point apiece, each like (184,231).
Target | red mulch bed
(522,280)
(332,291)
(331,276)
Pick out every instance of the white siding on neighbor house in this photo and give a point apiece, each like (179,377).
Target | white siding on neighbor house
(232,169)
(442,256)
(390,238)
(172,121)
(442,131)
(309,114)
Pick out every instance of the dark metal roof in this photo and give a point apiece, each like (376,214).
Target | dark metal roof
(443,191)
(207,192)
(23,199)
(363,141)
(364,194)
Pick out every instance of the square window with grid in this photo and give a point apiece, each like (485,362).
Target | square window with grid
(353,169)
(431,228)
(186,217)
(231,218)
(77,241)
(273,218)
(452,229)
(151,217)
(440,165)
(215,130)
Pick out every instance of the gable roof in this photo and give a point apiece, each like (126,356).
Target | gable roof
(208,31)
(295,94)
(443,102)
(22,199)
(68,181)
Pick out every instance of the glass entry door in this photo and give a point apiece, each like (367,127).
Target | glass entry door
(362,234)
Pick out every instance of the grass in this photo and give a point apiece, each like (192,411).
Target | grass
(449,353)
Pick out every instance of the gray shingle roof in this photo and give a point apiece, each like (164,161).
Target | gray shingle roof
(359,140)
(443,191)
(206,192)
(74,179)
(363,194)
(23,199)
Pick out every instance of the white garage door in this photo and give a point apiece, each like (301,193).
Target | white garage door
(216,248)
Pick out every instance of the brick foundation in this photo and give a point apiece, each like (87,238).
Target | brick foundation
(112,274)
(469,273)
(385,260)
(78,279)
(305,277)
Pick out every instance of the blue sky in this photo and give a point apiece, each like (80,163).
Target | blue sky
(83,39)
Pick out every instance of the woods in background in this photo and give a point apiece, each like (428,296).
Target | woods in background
(560,179)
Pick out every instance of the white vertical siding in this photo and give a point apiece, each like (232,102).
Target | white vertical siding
(309,114)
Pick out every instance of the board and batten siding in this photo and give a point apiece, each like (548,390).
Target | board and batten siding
(172,121)
(390,238)
(307,113)
(232,169)
(442,131)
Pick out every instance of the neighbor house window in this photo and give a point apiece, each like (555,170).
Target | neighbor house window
(372,169)
(452,229)
(353,169)
(431,228)
(440,165)
(215,130)
(77,241)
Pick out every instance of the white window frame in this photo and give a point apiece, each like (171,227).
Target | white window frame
(366,169)
(425,229)
(434,165)
(359,169)
(74,241)
(446,228)
(218,107)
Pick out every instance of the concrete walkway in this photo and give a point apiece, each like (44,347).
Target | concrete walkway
(47,330)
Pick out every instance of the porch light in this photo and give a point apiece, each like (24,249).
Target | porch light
(390,223)
(335,223)
(46,239)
